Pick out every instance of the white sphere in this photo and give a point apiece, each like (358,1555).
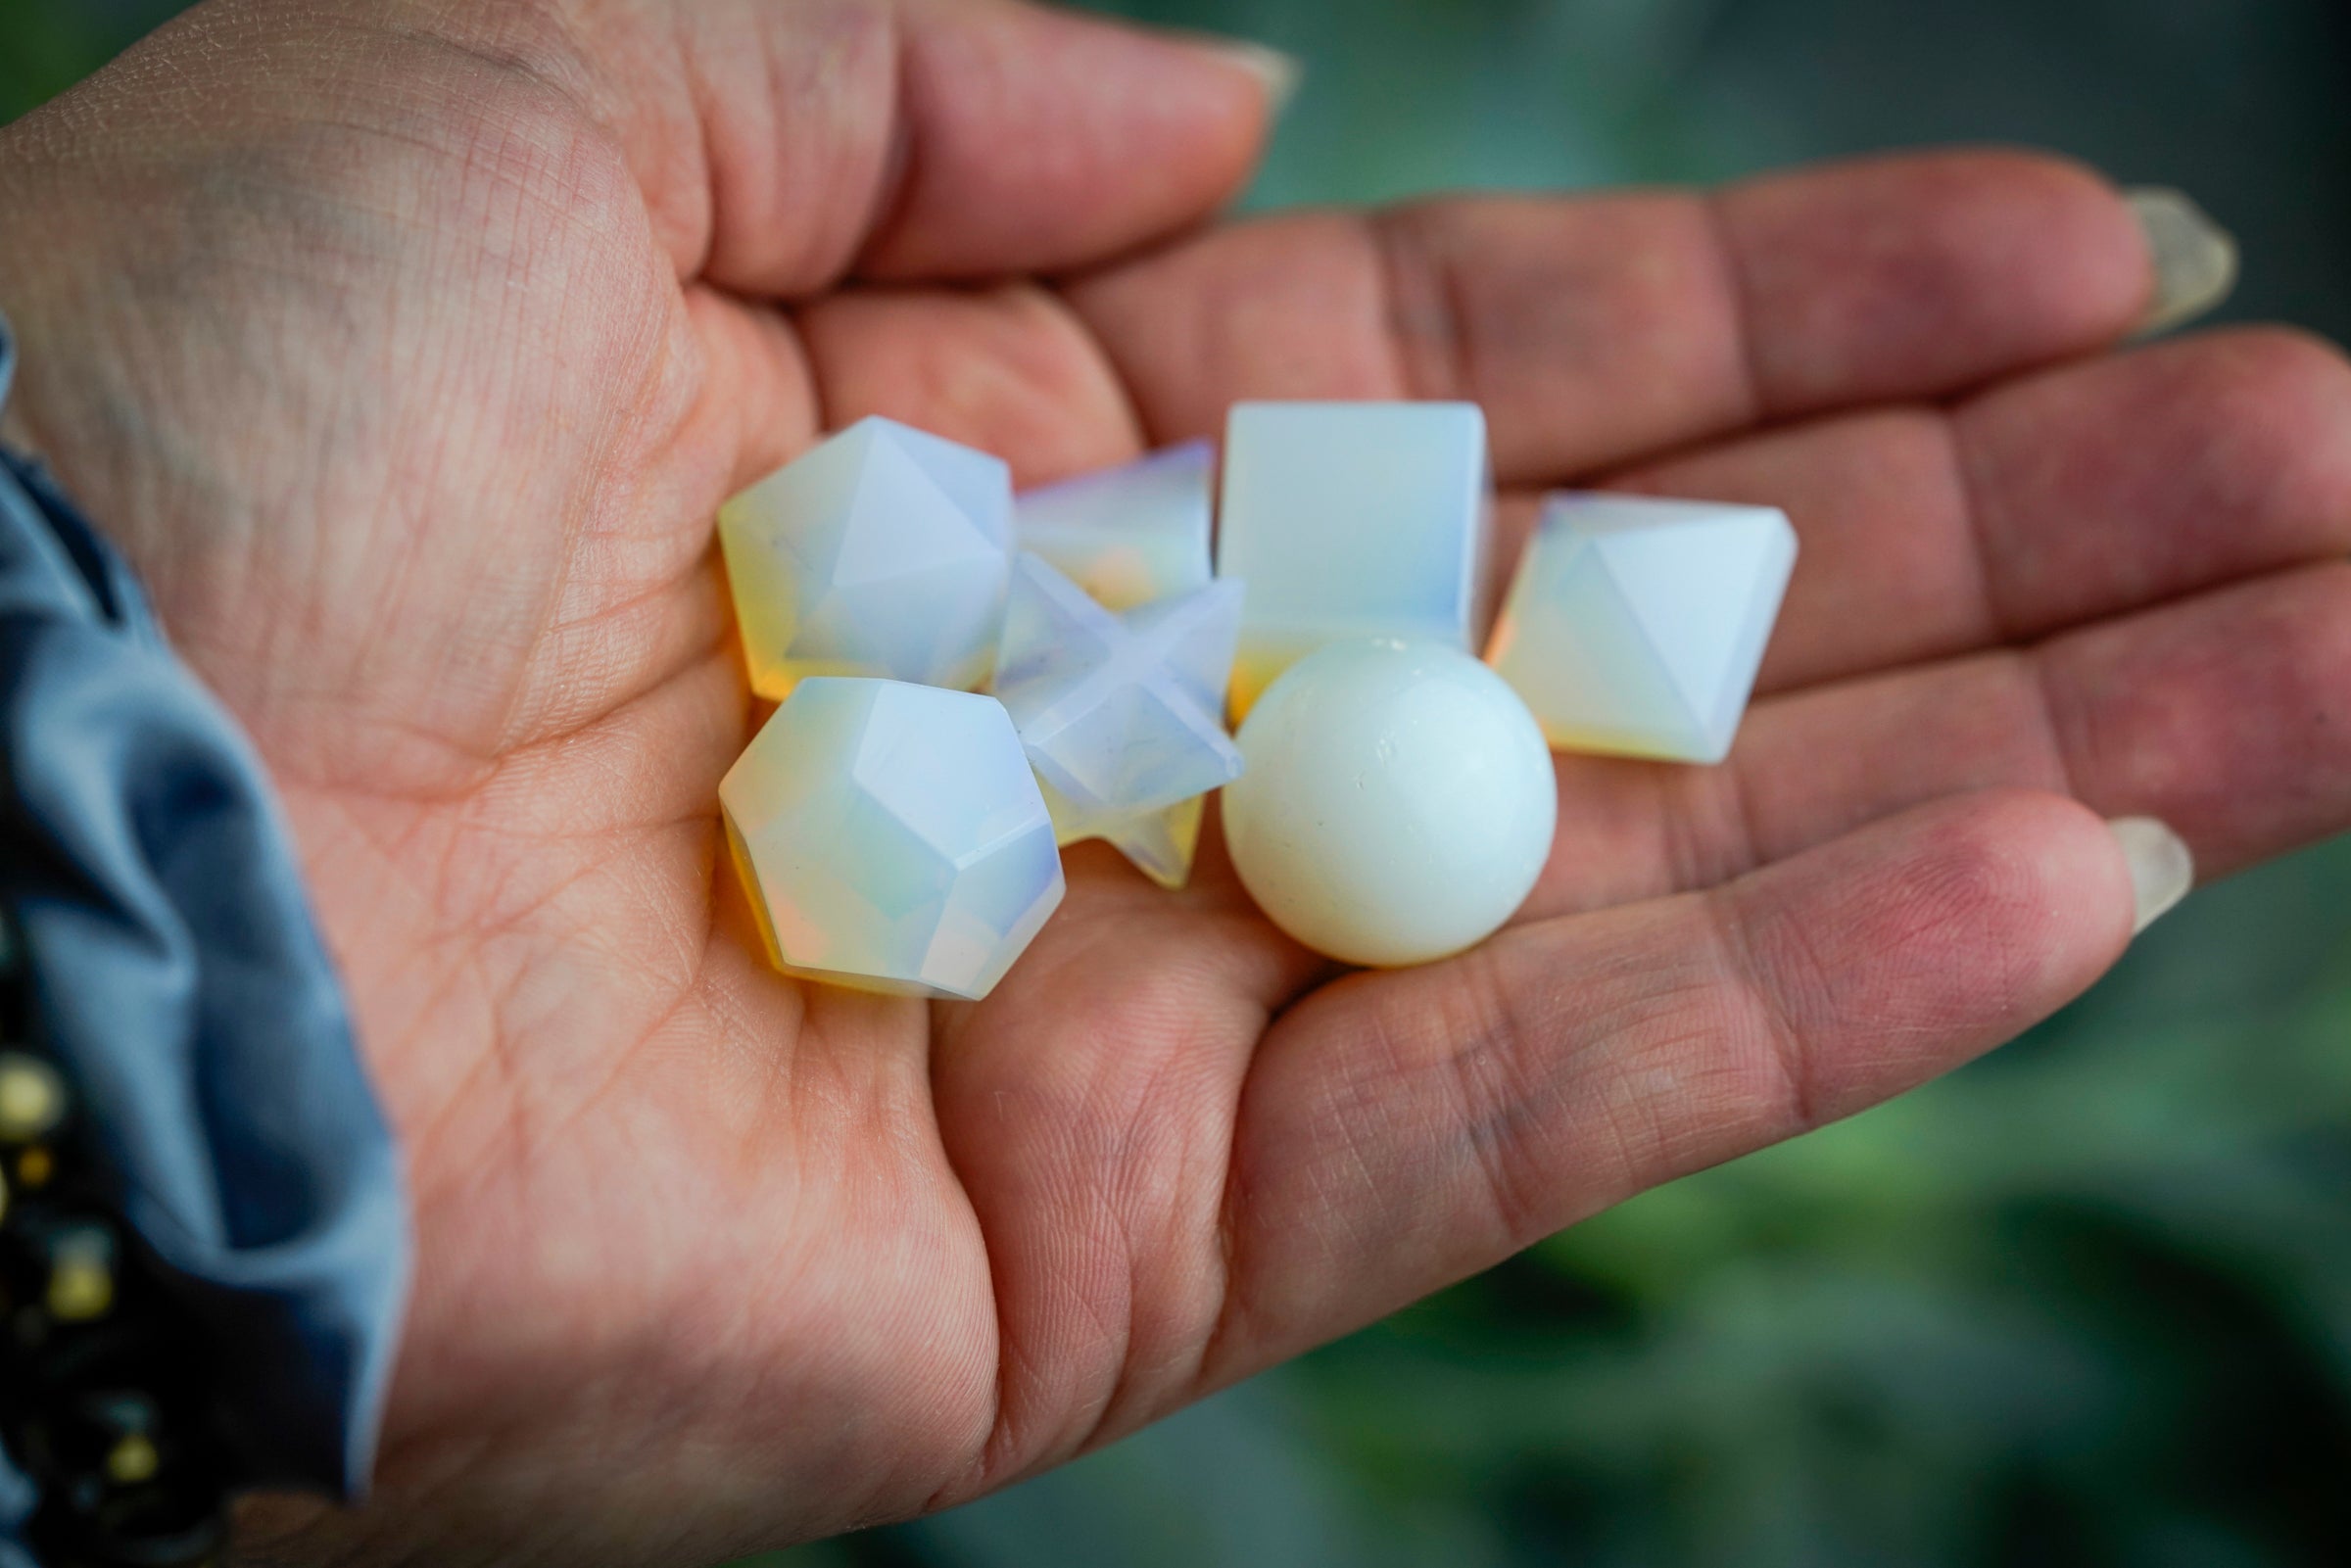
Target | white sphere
(1398,803)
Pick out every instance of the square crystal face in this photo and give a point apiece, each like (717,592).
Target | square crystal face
(891,837)
(1122,714)
(1126,535)
(1353,519)
(1635,626)
(882,551)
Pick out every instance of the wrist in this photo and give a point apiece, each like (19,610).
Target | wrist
(38,245)
(89,263)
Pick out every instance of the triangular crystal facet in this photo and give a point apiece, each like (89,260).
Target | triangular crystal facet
(882,551)
(1636,626)
(1118,713)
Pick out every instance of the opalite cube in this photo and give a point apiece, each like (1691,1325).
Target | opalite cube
(1128,535)
(1349,520)
(882,551)
(1636,626)
(1120,713)
(891,837)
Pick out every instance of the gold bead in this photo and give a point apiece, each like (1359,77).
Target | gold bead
(81,1277)
(132,1459)
(32,1097)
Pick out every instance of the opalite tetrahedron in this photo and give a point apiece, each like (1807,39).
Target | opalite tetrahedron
(1120,714)
(1126,535)
(1635,626)
(891,837)
(1348,520)
(882,553)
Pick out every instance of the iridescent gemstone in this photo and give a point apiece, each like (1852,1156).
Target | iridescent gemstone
(1120,713)
(881,553)
(1126,535)
(1349,520)
(891,837)
(1636,626)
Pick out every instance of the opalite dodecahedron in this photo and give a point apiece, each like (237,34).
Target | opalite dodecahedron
(881,553)
(891,837)
(1126,535)
(1353,519)
(1636,626)
(1120,713)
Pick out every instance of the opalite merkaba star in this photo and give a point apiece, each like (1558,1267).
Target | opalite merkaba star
(891,837)
(882,551)
(1120,714)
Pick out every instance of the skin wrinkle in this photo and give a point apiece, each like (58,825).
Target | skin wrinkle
(1172,1371)
(2042,702)
(898,177)
(1499,1105)
(1740,310)
(1424,320)
(1790,1057)
(2004,625)
(462,847)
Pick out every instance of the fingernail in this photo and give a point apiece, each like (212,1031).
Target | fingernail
(1276,72)
(2162,871)
(2195,259)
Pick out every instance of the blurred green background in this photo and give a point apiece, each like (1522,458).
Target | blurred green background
(2088,1302)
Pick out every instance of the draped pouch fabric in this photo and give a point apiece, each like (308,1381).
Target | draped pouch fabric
(182,984)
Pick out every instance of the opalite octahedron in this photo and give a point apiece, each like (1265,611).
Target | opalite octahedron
(1348,520)
(1121,714)
(1126,535)
(891,837)
(1636,626)
(881,553)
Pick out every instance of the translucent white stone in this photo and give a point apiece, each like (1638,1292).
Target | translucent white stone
(1349,520)
(882,551)
(1398,804)
(1120,713)
(891,837)
(1128,535)
(1635,626)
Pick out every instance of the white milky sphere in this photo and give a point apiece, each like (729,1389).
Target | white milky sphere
(1398,802)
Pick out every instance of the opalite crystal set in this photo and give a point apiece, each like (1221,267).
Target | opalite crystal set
(1389,799)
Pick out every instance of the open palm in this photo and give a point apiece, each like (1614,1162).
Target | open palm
(409,349)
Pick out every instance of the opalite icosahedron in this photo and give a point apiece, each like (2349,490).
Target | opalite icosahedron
(1636,626)
(882,551)
(1126,535)
(1122,714)
(1350,520)
(891,837)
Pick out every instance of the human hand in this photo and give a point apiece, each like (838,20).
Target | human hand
(409,349)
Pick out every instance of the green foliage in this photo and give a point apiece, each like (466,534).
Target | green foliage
(48,45)
(2084,1301)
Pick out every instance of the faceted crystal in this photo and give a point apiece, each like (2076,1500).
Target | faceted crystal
(1636,626)
(891,837)
(1349,520)
(1120,713)
(882,552)
(1129,535)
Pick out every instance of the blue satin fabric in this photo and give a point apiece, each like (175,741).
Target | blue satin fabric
(183,987)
